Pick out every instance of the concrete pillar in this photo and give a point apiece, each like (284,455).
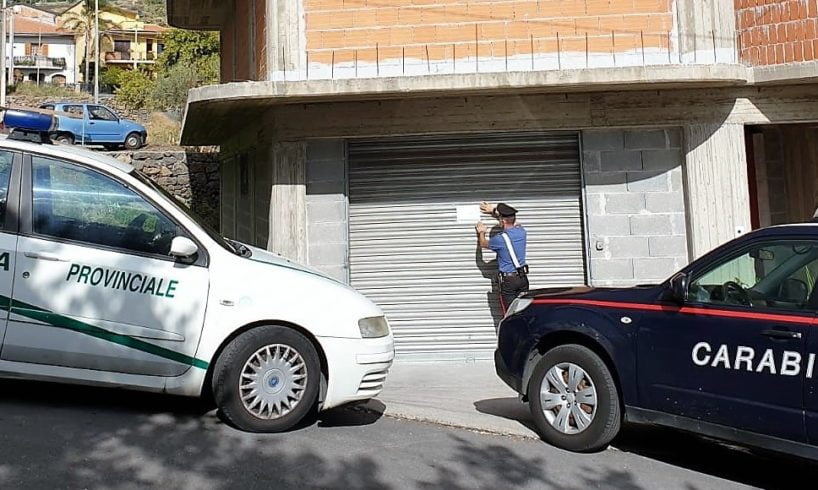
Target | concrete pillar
(288,209)
(286,40)
(706,31)
(716,185)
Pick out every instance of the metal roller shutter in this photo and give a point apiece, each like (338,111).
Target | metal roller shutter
(409,254)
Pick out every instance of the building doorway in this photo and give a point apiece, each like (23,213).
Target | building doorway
(783,173)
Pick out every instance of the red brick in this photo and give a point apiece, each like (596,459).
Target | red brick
(809,53)
(789,53)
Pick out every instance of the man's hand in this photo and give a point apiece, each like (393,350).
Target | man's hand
(487,207)
(481,234)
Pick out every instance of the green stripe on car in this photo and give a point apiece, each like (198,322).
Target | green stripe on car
(60,321)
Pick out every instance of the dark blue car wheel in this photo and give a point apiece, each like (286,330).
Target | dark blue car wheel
(574,399)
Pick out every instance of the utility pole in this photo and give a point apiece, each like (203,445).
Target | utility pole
(96,52)
(3,57)
(10,79)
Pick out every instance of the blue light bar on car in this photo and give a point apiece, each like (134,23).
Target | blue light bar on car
(29,121)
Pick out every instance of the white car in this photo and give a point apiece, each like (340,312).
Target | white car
(107,280)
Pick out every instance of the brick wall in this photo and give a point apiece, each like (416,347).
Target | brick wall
(260,19)
(227,50)
(400,36)
(773,32)
(635,205)
(244,39)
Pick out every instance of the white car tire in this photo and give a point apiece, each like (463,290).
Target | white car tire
(267,379)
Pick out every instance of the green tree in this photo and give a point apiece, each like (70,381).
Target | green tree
(190,59)
(135,89)
(196,48)
(83,24)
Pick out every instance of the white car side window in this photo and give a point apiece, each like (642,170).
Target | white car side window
(6,159)
(74,203)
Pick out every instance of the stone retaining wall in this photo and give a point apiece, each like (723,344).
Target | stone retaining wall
(193,177)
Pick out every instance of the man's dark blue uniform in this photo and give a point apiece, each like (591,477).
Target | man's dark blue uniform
(509,245)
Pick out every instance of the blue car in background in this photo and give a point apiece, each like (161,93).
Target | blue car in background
(95,124)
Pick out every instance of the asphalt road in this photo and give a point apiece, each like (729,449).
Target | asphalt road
(55,436)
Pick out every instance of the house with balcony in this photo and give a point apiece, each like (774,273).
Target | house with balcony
(133,44)
(127,42)
(41,52)
(631,135)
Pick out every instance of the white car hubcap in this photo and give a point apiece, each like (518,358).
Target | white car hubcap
(273,381)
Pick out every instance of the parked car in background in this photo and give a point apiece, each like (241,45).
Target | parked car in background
(95,124)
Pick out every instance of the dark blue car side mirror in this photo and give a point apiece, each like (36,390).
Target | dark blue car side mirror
(678,287)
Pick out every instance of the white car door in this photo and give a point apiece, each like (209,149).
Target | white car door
(8,234)
(95,286)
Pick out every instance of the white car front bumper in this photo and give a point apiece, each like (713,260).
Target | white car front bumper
(357,368)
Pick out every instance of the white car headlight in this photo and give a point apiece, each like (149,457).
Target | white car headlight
(373,327)
(517,306)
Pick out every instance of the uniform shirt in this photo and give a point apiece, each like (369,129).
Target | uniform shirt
(498,244)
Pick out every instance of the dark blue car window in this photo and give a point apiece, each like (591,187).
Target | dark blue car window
(777,275)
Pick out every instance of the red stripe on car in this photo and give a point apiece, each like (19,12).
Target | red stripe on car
(685,310)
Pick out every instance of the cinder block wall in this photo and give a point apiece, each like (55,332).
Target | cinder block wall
(635,205)
(327,229)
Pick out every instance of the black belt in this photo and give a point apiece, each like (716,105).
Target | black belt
(521,271)
(515,273)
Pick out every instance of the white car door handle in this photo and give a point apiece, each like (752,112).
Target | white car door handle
(43,256)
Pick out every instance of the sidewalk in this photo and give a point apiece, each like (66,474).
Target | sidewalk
(467,395)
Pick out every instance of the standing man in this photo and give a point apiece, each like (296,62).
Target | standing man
(510,249)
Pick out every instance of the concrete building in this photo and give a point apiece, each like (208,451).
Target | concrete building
(633,135)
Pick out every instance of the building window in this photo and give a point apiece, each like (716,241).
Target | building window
(122,46)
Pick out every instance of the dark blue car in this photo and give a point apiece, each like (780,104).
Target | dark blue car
(725,348)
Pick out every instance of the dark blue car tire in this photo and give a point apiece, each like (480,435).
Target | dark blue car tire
(574,399)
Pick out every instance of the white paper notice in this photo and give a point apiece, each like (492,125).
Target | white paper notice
(468,214)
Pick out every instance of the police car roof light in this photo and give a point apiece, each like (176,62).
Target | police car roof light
(29,125)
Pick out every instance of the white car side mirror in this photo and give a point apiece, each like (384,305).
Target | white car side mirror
(183,248)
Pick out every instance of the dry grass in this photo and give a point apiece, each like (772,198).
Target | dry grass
(163,130)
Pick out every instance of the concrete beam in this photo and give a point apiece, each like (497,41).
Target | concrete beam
(706,31)
(286,39)
(204,101)
(717,188)
(288,206)
(791,73)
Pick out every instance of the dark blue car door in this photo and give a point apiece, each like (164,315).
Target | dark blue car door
(734,353)
(811,387)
